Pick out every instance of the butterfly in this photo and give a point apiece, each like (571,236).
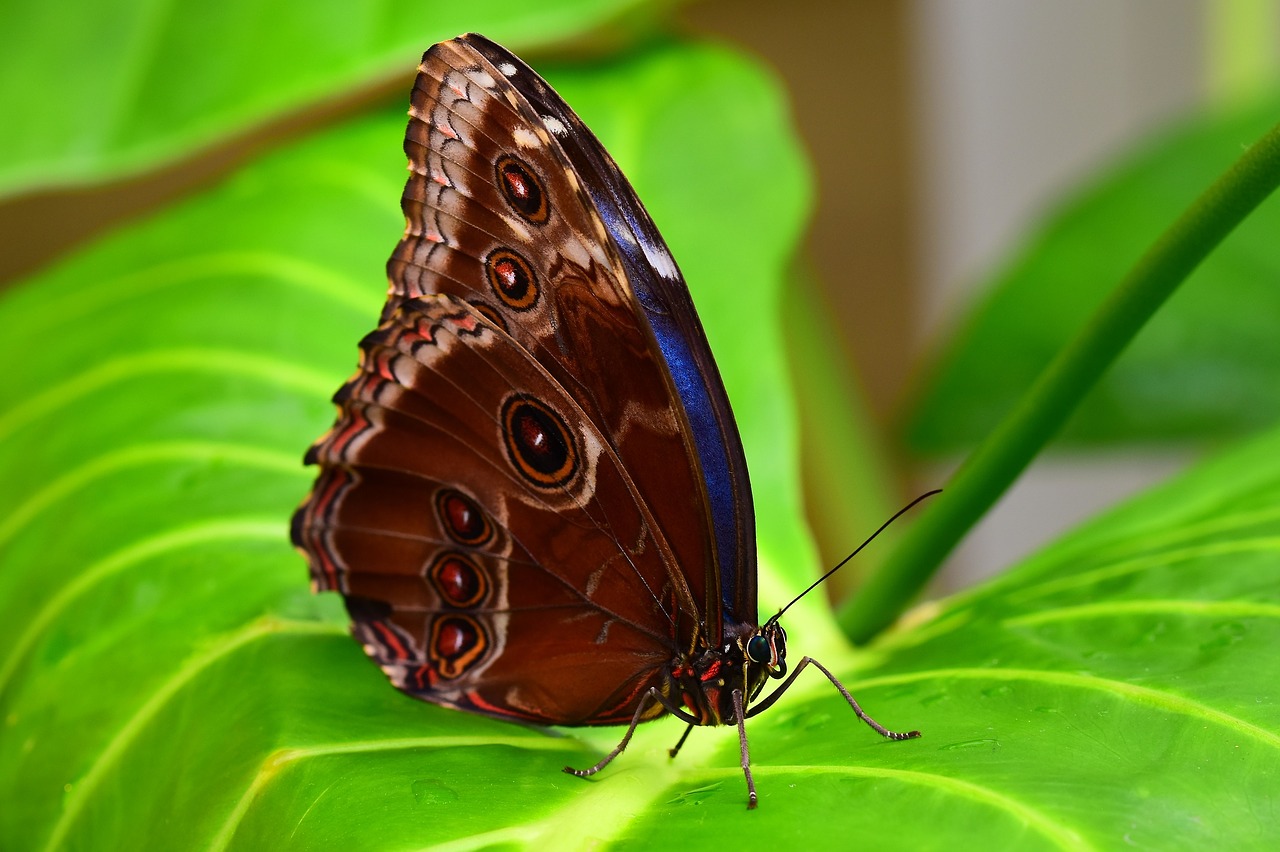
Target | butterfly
(534,499)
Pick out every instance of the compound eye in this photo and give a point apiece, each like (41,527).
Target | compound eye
(758,650)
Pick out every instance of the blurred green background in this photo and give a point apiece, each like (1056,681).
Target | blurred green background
(197,202)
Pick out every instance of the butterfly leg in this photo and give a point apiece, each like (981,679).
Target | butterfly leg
(742,742)
(674,751)
(651,696)
(876,726)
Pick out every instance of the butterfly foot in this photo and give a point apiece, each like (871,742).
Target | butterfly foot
(751,800)
(579,773)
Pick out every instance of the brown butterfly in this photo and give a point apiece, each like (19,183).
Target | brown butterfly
(534,499)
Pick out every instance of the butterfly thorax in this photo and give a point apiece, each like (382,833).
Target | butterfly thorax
(749,656)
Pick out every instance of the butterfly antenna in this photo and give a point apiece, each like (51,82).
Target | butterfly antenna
(856,551)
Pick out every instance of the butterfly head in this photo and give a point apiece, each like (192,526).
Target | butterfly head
(768,648)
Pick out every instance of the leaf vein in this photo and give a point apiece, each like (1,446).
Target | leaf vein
(195,534)
(218,361)
(138,455)
(82,791)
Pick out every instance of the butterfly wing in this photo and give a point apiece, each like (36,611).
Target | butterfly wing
(480,571)
(492,550)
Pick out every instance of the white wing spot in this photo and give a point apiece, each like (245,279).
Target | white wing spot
(521,232)
(524,137)
(484,78)
(661,260)
(508,69)
(555,125)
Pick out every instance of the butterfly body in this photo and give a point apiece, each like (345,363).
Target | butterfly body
(534,499)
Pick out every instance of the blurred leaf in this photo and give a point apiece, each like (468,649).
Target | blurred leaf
(849,488)
(1206,367)
(168,679)
(1194,234)
(134,85)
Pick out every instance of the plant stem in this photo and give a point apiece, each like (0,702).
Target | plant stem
(1007,451)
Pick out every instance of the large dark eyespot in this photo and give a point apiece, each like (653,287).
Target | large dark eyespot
(457,643)
(522,189)
(511,278)
(462,520)
(538,442)
(758,650)
(458,581)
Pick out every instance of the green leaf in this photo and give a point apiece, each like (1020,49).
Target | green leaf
(1122,684)
(1207,367)
(131,86)
(168,679)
